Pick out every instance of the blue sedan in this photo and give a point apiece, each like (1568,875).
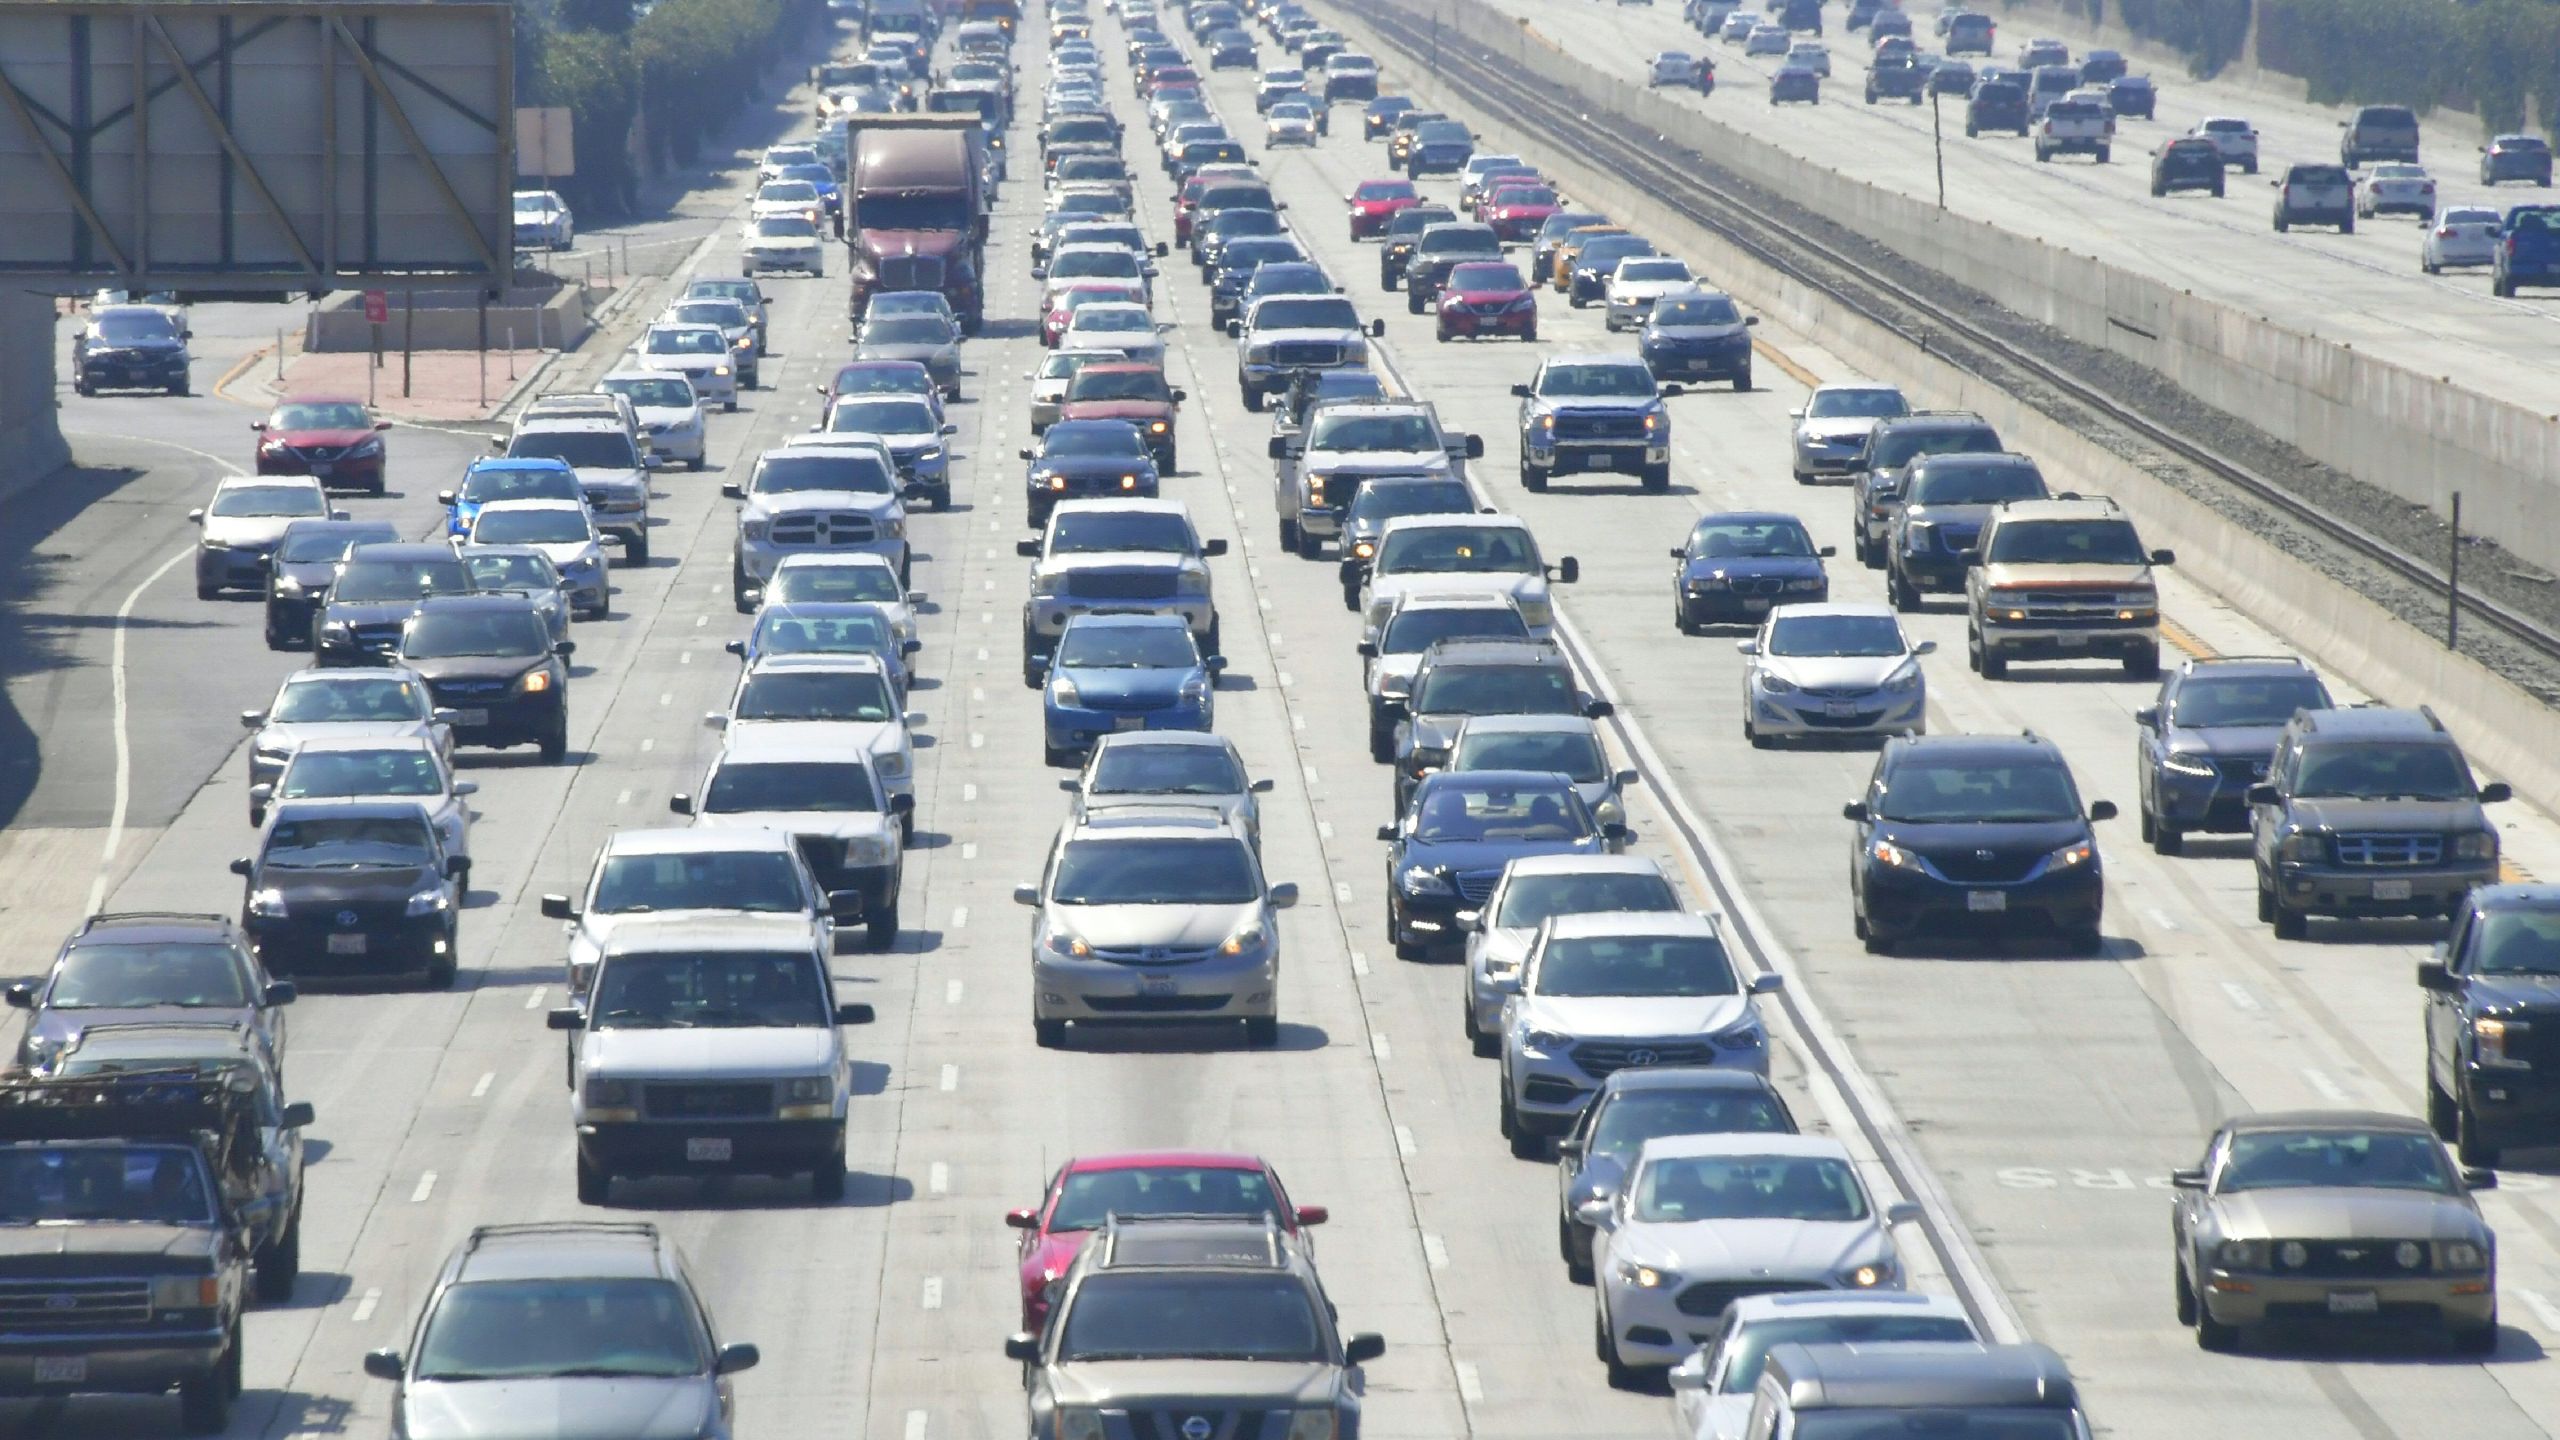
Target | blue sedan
(829,627)
(529,478)
(1459,831)
(1111,673)
(1738,564)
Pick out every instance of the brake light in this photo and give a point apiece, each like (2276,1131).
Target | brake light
(2444,232)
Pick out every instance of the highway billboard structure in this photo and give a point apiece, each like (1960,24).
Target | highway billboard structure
(255,146)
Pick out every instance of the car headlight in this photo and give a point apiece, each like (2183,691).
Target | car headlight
(930,452)
(867,850)
(2478,845)
(268,902)
(1192,582)
(1646,1277)
(1904,680)
(893,526)
(2460,1255)
(608,1092)
(807,1097)
(428,902)
(536,683)
(892,764)
(1746,1036)
(364,449)
(1364,550)
(286,585)
(1423,880)
(1196,687)
(1536,611)
(2241,1255)
(1875,1275)
(2078,852)
(186,1292)
(719,369)
(1656,422)
(1248,936)
(1806,582)
(1886,852)
(1062,690)
(2179,763)
(2301,847)
(1077,1422)
(1059,942)
(1314,1424)
(1158,427)
(1546,1042)
(1501,969)
(2489,1040)
(755,531)
(1775,684)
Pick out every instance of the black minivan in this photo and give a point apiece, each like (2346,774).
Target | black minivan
(1966,834)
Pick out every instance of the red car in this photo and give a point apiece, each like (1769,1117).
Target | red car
(1173,1182)
(1062,304)
(1187,199)
(1373,202)
(1487,297)
(332,440)
(1135,392)
(1516,211)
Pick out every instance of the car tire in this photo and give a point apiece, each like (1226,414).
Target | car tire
(1382,741)
(2085,940)
(204,1401)
(1440,333)
(208,592)
(2468,1146)
(1055,758)
(1288,534)
(826,1183)
(2281,226)
(1657,478)
(442,970)
(1049,1034)
(1310,547)
(2475,1339)
(729,407)
(280,1263)
(595,1183)
(2143,665)
(2103,152)
(1899,591)
(1621,1375)
(555,742)
(1261,1032)
(882,930)
(2287,922)
(1412,301)
(1532,479)
(2212,1335)
(1994,666)
(2182,1294)
(2266,901)
(1742,381)
(1875,941)
(1529,336)
(2347,226)
(2167,839)
(2249,167)
(1252,398)
(2431,267)
(2217,190)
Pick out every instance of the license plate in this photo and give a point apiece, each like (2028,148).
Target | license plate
(1603,460)
(1155,985)
(1841,708)
(2390,889)
(2354,1302)
(713,1150)
(1129,722)
(323,469)
(1986,901)
(1754,606)
(61,1369)
(470,717)
(346,944)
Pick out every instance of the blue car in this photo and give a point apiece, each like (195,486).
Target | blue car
(1124,672)
(830,198)
(1738,563)
(1085,460)
(829,627)
(1652,1102)
(1460,830)
(503,478)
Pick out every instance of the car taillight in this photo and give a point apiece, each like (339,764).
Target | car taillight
(2444,232)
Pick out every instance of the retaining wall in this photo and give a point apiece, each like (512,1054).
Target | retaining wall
(553,319)
(31,443)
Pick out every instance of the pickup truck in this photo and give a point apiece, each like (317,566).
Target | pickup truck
(1344,442)
(2528,249)
(1896,77)
(2075,127)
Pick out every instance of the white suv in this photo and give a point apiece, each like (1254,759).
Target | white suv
(830,495)
(1119,556)
(845,701)
(832,803)
(644,874)
(1531,890)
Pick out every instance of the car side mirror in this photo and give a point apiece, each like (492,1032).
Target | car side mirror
(1283,895)
(567,1017)
(1360,1349)
(2164,557)
(457,867)
(252,719)
(2434,975)
(1768,984)
(557,907)
(2261,794)
(853,1014)
(1259,787)
(732,490)
(2186,1179)
(2102,810)
(1235,328)
(1022,1346)
(241,868)
(1039,272)
(195,517)
(2476,1178)
(22,996)
(1367,649)
(1520,390)
(445,498)
(565,649)
(1378,328)
(737,1356)
(1854,810)
(1387,832)
(1213,547)
(1022,1217)
(1277,449)
(2496,791)
(1598,1214)
(1027,549)
(1902,1212)
(383,1364)
(680,804)
(1024,453)
(1746,647)
(951,429)
(1027,895)
(1568,570)
(279,992)
(2148,717)
(297,1115)
(737,648)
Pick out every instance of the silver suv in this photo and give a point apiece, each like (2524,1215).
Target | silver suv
(612,472)
(1185,1326)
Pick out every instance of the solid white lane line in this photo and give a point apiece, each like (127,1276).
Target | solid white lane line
(2543,1310)
(123,797)
(426,1187)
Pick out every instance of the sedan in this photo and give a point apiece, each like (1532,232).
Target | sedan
(737,326)
(1116,672)
(2462,235)
(1738,565)
(1059,306)
(929,340)
(1085,460)
(1448,850)
(365,768)
(1529,892)
(1766,39)
(1372,201)
(697,352)
(1832,427)
(1672,67)
(1651,1102)
(330,439)
(2516,157)
(1640,280)
(829,627)
(145,968)
(2396,189)
(564,532)
(670,414)
(1289,124)
(1169,767)
(1486,297)
(1088,1191)
(1832,670)
(1114,325)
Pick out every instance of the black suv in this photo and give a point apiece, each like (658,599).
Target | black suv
(1946,499)
(131,965)
(490,659)
(1964,833)
(1403,232)
(306,560)
(1894,443)
(1460,678)
(2208,737)
(374,592)
(2190,162)
(1439,250)
(361,887)
(1896,77)
(1996,105)
(2368,811)
(2493,1023)
(131,347)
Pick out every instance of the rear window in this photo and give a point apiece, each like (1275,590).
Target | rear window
(2388,116)
(2318,175)
(2073,110)
(1997,92)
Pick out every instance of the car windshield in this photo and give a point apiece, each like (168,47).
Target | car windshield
(1165,770)
(835,470)
(1113,318)
(1928,791)
(1973,482)
(369,580)
(723,313)
(2066,542)
(125,327)
(761,881)
(859,695)
(324,546)
(1383,190)
(526,1329)
(316,842)
(788,632)
(1750,540)
(1375,502)
(688,341)
(320,415)
(1191,1316)
(2335,1159)
(1126,647)
(1465,814)
(518,634)
(1100,532)
(141,976)
(1596,379)
(372,698)
(2382,770)
(786,227)
(1530,689)
(1485,275)
(1573,754)
(1093,384)
(788,192)
(2507,942)
(1693,309)
(876,583)
(834,786)
(910,302)
(342,774)
(512,572)
(2465,215)
(818,176)
(1510,195)
(1467,549)
(531,527)
(1414,219)
(579,449)
(1374,432)
(1649,269)
(907,330)
(1638,1115)
(1748,1350)
(1089,1196)
(1132,871)
(1114,264)
(1679,1189)
(1442,132)
(1987,1422)
(1649,966)
(253,501)
(103,1184)
(512,482)
(1866,636)
(893,377)
(1531,899)
(657,392)
(1896,446)
(2254,700)
(1308,312)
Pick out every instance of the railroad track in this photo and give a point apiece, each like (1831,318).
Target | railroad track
(1697,189)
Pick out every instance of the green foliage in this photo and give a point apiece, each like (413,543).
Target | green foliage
(2489,57)
(2210,33)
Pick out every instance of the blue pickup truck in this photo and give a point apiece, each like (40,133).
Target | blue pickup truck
(2528,249)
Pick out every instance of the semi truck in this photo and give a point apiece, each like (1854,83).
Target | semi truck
(915,209)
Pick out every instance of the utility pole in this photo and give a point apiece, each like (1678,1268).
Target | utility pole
(1938,139)
(2453,582)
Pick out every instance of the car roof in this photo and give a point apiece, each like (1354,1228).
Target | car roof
(581,422)
(1496,779)
(1686,1147)
(1827,608)
(1202,1243)
(1492,650)
(1583,865)
(1687,1077)
(532,503)
(1747,517)
(1526,725)
(2078,507)
(400,550)
(672,840)
(368,809)
(1166,740)
(2517,897)
(797,744)
(745,930)
(173,1041)
(1583,925)
(498,601)
(548,462)
(2245,666)
(1973,747)
(120,927)
(361,743)
(1156,821)
(574,1249)
(854,661)
(1456,599)
(2372,722)
(2280,1120)
(1920,1375)
(1809,1303)
(1104,619)
(1132,505)
(1473,518)
(2010,459)
(861,559)
(1932,419)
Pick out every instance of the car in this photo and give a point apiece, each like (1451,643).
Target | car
(1093,263)
(1132,393)
(1155,768)
(1289,123)
(490,659)
(1969,34)
(1736,565)
(1372,202)
(2332,1213)
(2315,195)
(1518,208)
(842,700)
(526,571)
(1695,335)
(1767,39)
(669,412)
(1637,283)
(1714,1391)
(1116,555)
(2516,157)
(1124,326)
(1568,744)
(362,887)
(829,627)
(1923,1387)
(2209,735)
(1706,1219)
(1086,459)
(141,967)
(734,287)
(793,199)
(374,591)
(1673,67)
(598,1319)
(1439,147)
(2396,188)
(565,534)
(2378,132)
(243,524)
(1154,915)
(1343,444)
(1089,1192)
(932,341)
(2528,249)
(2462,235)
(1526,893)
(1485,297)
(705,872)
(2236,138)
(1380,114)
(1114,673)
(1441,553)
(822,177)
(2189,162)
(845,577)
(1241,262)
(1832,671)
(830,800)
(1946,500)
(1897,77)
(1587,411)
(1456,679)
(699,353)
(836,496)
(613,473)
(1483,171)
(298,573)
(1057,371)
(1280,334)
(1400,232)
(378,704)
(331,439)
(2069,125)
(2490,990)
(2044,51)
(1997,104)
(1831,430)
(1810,55)
(544,220)
(1882,467)
(2368,811)
(782,242)
(737,327)
(910,432)
(1550,233)
(1147,1320)
(1598,259)
(2063,579)
(345,767)
(1638,1103)
(1739,25)
(534,477)
(1415,621)
(1450,844)
(2134,96)
(1948,77)
(131,347)
(1974,833)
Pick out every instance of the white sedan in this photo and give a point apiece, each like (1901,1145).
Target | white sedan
(1289,123)
(1120,325)
(1639,281)
(700,353)
(2401,189)
(786,197)
(1832,669)
(564,531)
(1673,67)
(2462,235)
(783,242)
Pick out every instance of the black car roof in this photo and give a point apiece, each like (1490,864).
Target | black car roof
(402,550)
(1685,1077)
(124,927)
(1974,747)
(504,601)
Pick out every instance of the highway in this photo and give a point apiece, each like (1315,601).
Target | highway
(2033,1104)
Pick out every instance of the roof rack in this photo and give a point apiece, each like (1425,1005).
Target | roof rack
(171,1104)
(480,1234)
(104,917)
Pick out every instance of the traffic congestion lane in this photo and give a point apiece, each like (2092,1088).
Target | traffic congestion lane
(2123,1086)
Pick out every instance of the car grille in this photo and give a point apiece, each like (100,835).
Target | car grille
(73,1304)
(346,915)
(465,692)
(1824,720)
(1570,426)
(1122,584)
(2065,612)
(379,636)
(910,272)
(1223,1424)
(2349,1260)
(1476,886)
(1155,955)
(1306,352)
(1952,538)
(1600,1059)
(749,1101)
(2241,772)
(1989,866)
(319,452)
(604,500)
(1156,1004)
(2390,849)
(1709,1298)
(824,531)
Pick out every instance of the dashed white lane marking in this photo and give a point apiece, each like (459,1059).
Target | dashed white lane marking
(2241,999)
(1310,771)
(480,1087)
(1379,1047)
(952,992)
(1324,829)
(915,1425)
(533,1001)
(982,652)
(1404,1142)
(666,697)
(950,1077)
(2162,918)
(1263,601)
(1287,681)
(366,1304)
(976,740)
(624,798)
(426,1187)
(648,745)
(977,695)
(1297,721)
(933,1292)
(937,1178)
(701,620)
(987,617)
(1341,893)
(1470,1386)
(960,917)
(968,791)
(1434,1252)
(2330,1090)
(1274,638)
(684,657)
(1360,964)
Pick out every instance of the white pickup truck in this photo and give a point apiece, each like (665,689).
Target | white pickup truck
(2075,127)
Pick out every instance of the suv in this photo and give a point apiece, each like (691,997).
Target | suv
(705,872)
(360,887)
(832,803)
(132,965)
(562,1318)
(2063,579)
(2378,132)
(1896,77)
(1402,231)
(1285,333)
(2189,162)
(1881,468)
(131,347)
(490,659)
(1155,915)
(1945,503)
(2368,811)
(2315,195)
(1116,555)
(2208,737)
(1599,412)
(710,1047)
(831,493)
(1441,146)
(1964,832)
(1152,1321)
(1344,444)
(1456,679)
(612,472)
(1440,249)
(2493,999)
(376,588)
(243,524)
(1996,105)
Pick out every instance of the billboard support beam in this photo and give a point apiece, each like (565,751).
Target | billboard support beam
(417,147)
(62,173)
(222,133)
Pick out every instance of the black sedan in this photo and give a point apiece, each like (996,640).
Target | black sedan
(1739,563)
(1085,460)
(491,660)
(353,887)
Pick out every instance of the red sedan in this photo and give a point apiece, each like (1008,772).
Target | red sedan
(1516,211)
(1487,297)
(1177,1182)
(333,440)
(1374,202)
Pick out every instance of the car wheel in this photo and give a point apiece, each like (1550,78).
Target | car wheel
(2085,940)
(1742,382)
(442,970)
(1261,1032)
(278,1264)
(2468,1145)
(1532,479)
(1288,534)
(1049,1034)
(729,406)
(1899,591)
(1621,1375)
(826,1183)
(204,1401)
(1657,477)
(2476,1339)
(1382,741)
(2143,664)
(2281,227)
(2184,1293)
(1310,547)
(2287,922)
(1875,941)
(2212,1334)
(208,592)
(2266,901)
(1252,398)
(882,929)
(555,741)
(2347,226)
(1994,667)
(595,1183)
(2431,267)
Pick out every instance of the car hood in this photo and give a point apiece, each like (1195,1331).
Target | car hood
(903,350)
(289,735)
(2250,742)
(28,1251)
(1115,410)
(626,1408)
(248,529)
(1591,1016)
(1749,567)
(565,553)
(475,667)
(877,736)
(790,502)
(681,364)
(1777,1249)
(1275,335)
(830,824)
(735,1053)
(1116,560)
(1687,334)
(760,241)
(1484,297)
(666,414)
(2345,1214)
(1375,462)
(2067,577)
(1597,404)
(319,889)
(2013,837)
(300,438)
(1471,855)
(594,477)
(369,612)
(1174,927)
(1163,684)
(1646,289)
(1834,672)
(1524,212)
(1384,207)
(2504,994)
(1222,1384)
(1050,1257)
(2424,816)
(1088,466)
